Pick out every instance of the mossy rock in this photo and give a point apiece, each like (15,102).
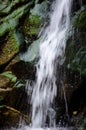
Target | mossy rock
(8,49)
(11,21)
(34,21)
(7,6)
(32,24)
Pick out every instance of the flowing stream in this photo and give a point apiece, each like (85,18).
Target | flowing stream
(51,53)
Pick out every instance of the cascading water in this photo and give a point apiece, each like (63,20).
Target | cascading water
(51,54)
(52,49)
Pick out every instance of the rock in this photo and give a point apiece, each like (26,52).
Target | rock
(8,49)
(15,97)
(35,20)
(4,81)
(6,6)
(11,37)
(32,53)
(10,117)
(11,21)
(12,91)
(6,90)
(21,69)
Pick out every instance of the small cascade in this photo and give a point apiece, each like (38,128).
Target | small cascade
(52,49)
(51,55)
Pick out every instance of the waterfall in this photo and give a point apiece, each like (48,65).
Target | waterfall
(52,49)
(51,54)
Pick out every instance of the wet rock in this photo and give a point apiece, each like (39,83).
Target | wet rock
(10,117)
(32,53)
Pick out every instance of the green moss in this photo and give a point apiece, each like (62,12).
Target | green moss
(12,20)
(9,49)
(32,25)
(36,18)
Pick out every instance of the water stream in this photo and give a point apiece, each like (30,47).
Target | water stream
(51,53)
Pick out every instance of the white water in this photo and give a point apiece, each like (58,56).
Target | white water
(51,54)
(52,49)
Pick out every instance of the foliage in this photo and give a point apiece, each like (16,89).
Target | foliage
(10,76)
(79,20)
(76,45)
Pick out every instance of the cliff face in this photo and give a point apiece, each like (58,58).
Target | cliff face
(20,24)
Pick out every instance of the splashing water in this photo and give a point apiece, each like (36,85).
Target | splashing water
(51,54)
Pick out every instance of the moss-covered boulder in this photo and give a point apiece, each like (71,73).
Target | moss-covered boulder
(12,14)
(32,26)
(35,20)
